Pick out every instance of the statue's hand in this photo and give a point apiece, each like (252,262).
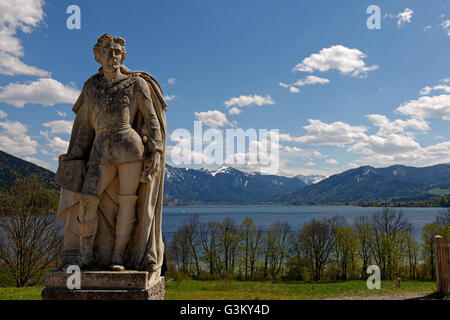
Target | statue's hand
(151,165)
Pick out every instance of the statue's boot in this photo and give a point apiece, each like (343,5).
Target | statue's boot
(88,222)
(124,226)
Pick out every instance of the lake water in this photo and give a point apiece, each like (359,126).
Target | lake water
(296,216)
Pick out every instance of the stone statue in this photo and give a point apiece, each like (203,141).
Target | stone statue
(113,173)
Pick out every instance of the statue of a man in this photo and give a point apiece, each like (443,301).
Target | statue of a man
(113,173)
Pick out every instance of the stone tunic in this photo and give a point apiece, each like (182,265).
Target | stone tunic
(107,110)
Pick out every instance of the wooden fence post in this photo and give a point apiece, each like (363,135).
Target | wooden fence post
(442,254)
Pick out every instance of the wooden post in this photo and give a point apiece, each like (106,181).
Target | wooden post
(442,253)
(398,283)
(437,242)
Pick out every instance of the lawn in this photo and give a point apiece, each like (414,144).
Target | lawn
(291,290)
(26,293)
(256,290)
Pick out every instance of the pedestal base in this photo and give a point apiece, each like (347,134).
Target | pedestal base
(104,285)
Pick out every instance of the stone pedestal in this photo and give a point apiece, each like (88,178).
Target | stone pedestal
(104,285)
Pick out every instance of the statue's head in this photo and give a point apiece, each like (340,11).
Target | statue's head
(110,52)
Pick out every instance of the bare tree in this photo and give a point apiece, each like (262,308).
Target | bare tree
(411,255)
(255,250)
(441,226)
(180,250)
(387,227)
(192,235)
(229,244)
(247,232)
(30,236)
(345,248)
(276,248)
(429,231)
(364,235)
(315,241)
(443,221)
(209,239)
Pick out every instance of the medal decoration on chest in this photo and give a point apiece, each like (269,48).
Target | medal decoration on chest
(109,92)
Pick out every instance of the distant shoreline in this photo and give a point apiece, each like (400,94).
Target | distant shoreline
(372,205)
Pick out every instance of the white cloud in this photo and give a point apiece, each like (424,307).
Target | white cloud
(234,111)
(353,165)
(440,151)
(3,114)
(10,66)
(296,153)
(310,80)
(334,134)
(61,113)
(391,144)
(440,87)
(18,15)
(281,136)
(292,149)
(58,145)
(343,59)
(45,91)
(433,154)
(14,139)
(170,97)
(310,164)
(317,154)
(427,107)
(404,17)
(426,28)
(59,126)
(39,162)
(446,26)
(171,81)
(331,161)
(245,101)
(398,125)
(212,118)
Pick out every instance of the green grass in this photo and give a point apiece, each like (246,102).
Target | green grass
(292,290)
(439,191)
(9,292)
(257,290)
(26,293)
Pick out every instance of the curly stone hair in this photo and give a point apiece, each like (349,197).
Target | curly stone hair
(106,38)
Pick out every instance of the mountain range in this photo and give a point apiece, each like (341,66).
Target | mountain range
(12,168)
(229,185)
(394,183)
(226,184)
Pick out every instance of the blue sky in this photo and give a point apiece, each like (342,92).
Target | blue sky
(340,95)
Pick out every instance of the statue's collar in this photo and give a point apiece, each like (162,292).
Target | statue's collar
(102,82)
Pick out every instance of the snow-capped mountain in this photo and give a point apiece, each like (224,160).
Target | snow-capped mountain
(226,184)
(312,179)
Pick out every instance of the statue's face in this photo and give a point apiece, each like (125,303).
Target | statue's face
(111,56)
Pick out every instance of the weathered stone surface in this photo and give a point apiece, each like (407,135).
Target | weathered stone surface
(113,172)
(101,279)
(155,291)
(111,181)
